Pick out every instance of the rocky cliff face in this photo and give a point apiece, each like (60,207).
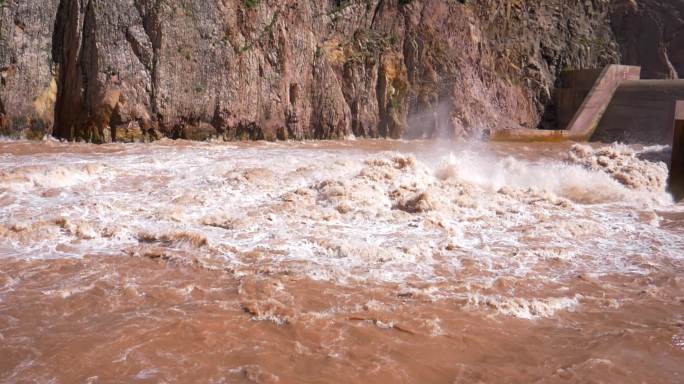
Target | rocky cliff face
(129,70)
(27,83)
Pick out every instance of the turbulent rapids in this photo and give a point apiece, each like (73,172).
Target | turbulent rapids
(370,261)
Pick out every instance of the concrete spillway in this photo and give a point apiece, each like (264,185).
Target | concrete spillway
(677,166)
(609,105)
(641,112)
(587,115)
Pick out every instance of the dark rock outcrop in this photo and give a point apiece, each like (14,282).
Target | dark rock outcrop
(651,34)
(133,70)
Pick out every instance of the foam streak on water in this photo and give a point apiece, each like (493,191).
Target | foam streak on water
(517,233)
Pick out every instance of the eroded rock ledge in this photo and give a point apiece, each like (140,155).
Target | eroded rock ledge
(134,70)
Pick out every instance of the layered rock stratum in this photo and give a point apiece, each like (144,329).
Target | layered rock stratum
(135,70)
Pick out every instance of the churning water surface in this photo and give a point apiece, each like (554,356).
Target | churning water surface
(325,262)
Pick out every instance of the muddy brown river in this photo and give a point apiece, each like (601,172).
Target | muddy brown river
(339,262)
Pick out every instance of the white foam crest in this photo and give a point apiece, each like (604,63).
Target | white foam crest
(48,176)
(572,181)
(523,308)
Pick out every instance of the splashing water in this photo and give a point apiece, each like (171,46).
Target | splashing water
(332,241)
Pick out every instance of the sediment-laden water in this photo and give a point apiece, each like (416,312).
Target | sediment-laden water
(326,262)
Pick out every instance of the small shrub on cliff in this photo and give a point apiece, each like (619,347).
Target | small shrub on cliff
(248,3)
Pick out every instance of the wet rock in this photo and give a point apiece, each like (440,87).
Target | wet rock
(198,132)
(128,133)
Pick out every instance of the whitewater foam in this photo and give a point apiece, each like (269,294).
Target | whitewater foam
(348,216)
